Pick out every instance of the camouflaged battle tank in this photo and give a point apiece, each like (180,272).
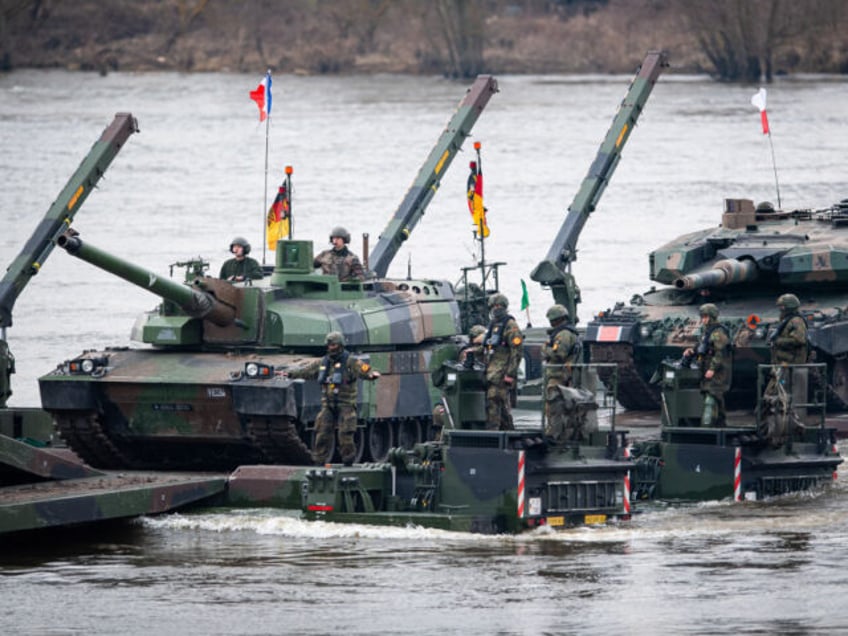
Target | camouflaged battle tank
(754,256)
(211,392)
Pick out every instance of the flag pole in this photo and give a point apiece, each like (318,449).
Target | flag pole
(289,171)
(774,166)
(265,188)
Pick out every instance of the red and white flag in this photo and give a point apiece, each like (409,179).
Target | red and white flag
(262,96)
(759,100)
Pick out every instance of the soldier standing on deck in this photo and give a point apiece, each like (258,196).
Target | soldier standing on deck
(560,352)
(337,373)
(504,348)
(788,344)
(339,260)
(715,362)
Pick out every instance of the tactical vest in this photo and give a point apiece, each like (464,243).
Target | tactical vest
(705,346)
(576,348)
(494,335)
(334,371)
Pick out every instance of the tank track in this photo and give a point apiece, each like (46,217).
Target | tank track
(634,393)
(84,434)
(277,440)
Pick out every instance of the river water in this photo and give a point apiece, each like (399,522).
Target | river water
(193,178)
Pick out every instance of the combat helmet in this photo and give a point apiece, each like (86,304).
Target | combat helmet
(240,240)
(708,309)
(476,330)
(789,302)
(556,312)
(341,232)
(498,299)
(335,337)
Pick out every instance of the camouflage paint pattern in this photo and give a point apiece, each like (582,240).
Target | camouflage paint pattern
(471,483)
(774,253)
(188,403)
(693,462)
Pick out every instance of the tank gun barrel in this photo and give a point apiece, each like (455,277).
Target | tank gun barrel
(62,212)
(196,303)
(421,191)
(724,272)
(553,271)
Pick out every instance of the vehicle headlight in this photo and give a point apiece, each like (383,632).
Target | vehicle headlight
(645,331)
(258,370)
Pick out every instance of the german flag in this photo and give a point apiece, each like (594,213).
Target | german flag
(278,218)
(475,198)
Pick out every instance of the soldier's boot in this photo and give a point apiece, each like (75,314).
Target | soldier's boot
(708,416)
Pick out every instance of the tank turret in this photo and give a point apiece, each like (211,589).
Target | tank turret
(742,266)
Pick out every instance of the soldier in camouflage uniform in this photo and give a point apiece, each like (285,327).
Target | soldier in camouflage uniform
(337,373)
(241,267)
(788,342)
(504,348)
(560,352)
(715,363)
(474,351)
(339,260)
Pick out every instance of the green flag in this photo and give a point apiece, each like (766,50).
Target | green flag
(525,298)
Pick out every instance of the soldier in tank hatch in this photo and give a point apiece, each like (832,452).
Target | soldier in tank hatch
(241,267)
(339,260)
(337,373)
(715,363)
(562,350)
(503,345)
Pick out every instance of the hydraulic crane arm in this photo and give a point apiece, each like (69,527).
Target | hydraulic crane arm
(418,196)
(554,270)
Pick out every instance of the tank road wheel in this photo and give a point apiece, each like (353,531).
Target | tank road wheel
(409,434)
(380,440)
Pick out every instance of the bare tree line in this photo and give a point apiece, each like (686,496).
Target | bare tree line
(733,40)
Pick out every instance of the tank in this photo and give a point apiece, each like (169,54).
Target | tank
(209,390)
(754,256)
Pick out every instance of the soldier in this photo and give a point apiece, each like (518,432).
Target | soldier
(562,350)
(337,373)
(474,351)
(339,260)
(788,342)
(715,363)
(504,348)
(241,267)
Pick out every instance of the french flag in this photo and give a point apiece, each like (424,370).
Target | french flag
(262,96)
